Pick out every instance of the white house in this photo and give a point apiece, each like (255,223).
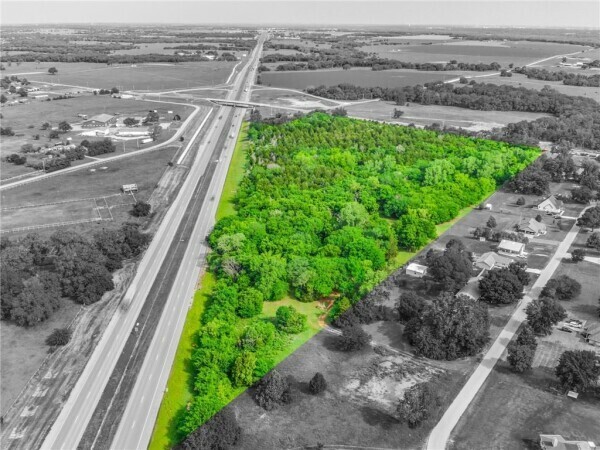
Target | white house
(511,248)
(416,270)
(557,442)
(551,206)
(532,228)
(491,260)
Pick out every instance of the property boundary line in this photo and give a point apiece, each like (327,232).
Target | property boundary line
(12,208)
(58,224)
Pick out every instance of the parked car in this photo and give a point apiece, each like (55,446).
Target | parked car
(566,329)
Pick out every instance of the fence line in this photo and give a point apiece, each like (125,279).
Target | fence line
(50,225)
(10,208)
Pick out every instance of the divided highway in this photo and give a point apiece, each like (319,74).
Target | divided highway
(138,419)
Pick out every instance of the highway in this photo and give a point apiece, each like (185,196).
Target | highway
(440,435)
(75,415)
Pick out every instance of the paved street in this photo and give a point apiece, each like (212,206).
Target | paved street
(438,439)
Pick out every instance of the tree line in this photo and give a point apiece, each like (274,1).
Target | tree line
(568,78)
(575,119)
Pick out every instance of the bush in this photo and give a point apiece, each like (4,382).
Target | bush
(288,320)
(577,255)
(521,201)
(317,384)
(221,432)
(353,338)
(250,303)
(418,404)
(271,390)
(60,336)
(141,209)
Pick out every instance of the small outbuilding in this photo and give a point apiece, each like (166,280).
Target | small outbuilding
(471,289)
(416,270)
(557,442)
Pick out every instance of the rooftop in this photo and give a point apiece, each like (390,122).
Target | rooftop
(511,245)
(102,117)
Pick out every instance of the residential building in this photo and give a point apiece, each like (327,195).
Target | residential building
(101,120)
(511,248)
(557,442)
(416,270)
(532,228)
(551,206)
(491,260)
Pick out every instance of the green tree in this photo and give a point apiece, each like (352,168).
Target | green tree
(270,390)
(577,255)
(491,223)
(353,338)
(562,287)
(414,232)
(221,432)
(64,126)
(52,70)
(288,320)
(141,209)
(520,357)
(501,286)
(250,302)
(243,369)
(418,404)
(578,370)
(317,384)
(590,218)
(543,313)
(593,241)
(59,337)
(130,121)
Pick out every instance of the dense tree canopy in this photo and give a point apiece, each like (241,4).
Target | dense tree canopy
(543,313)
(578,370)
(450,327)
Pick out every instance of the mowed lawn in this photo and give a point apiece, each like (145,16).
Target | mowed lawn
(140,77)
(48,214)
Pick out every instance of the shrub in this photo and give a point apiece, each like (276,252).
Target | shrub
(221,432)
(270,390)
(353,338)
(417,405)
(317,384)
(288,320)
(578,255)
(59,337)
(141,209)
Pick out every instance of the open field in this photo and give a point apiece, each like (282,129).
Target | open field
(49,214)
(145,170)
(444,115)
(357,407)
(519,80)
(289,99)
(510,411)
(24,349)
(139,77)
(360,77)
(517,52)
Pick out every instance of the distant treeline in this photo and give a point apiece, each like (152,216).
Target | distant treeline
(570,79)
(361,59)
(91,57)
(576,119)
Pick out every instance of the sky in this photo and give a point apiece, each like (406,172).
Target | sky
(476,13)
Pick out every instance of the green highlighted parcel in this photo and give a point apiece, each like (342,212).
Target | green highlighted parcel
(325,210)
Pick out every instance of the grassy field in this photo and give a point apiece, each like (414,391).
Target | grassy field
(147,76)
(510,411)
(517,52)
(145,170)
(360,77)
(446,115)
(49,214)
(23,350)
(518,80)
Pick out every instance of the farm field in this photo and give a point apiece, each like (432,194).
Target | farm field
(518,80)
(145,170)
(444,115)
(49,214)
(139,77)
(517,52)
(360,77)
